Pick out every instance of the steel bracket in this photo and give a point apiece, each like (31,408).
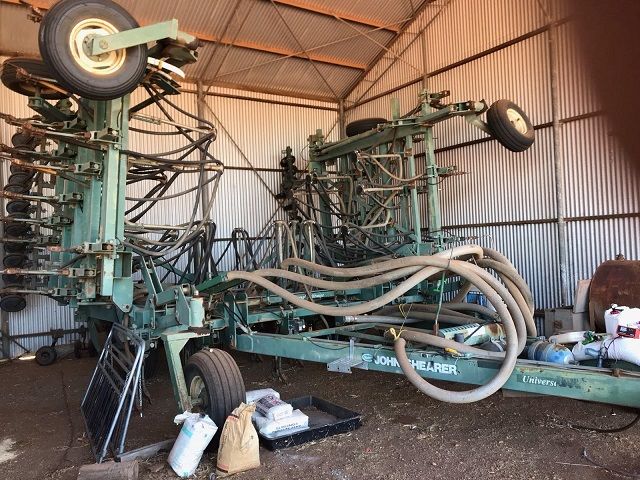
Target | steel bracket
(345,364)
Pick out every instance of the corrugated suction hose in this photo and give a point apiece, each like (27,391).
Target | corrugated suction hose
(508,294)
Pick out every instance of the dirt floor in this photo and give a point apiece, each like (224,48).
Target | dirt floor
(404,435)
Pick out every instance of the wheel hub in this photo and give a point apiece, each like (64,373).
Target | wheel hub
(517,121)
(198,393)
(81,40)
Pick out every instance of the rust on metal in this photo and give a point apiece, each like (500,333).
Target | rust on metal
(614,281)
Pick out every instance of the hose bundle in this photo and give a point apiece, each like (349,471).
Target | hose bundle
(507,292)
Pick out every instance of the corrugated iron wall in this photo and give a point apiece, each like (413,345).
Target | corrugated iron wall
(251,131)
(501,49)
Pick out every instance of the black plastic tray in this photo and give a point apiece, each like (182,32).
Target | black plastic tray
(325,419)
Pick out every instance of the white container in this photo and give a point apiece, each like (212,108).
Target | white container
(612,318)
(254,395)
(625,316)
(196,433)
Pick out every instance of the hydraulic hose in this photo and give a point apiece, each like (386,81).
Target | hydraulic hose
(467,307)
(430,317)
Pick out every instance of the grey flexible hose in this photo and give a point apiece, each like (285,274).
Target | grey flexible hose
(427,338)
(394,310)
(518,288)
(334,285)
(483,391)
(433,265)
(379,266)
(413,317)
(511,301)
(468,307)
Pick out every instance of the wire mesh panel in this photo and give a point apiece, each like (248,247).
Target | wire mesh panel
(113,389)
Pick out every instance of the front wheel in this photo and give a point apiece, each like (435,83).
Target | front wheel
(510,126)
(65,39)
(215,385)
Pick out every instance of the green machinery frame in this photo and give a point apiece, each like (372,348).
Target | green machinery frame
(89,206)
(364,346)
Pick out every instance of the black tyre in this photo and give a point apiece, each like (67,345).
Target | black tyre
(12,302)
(14,260)
(23,140)
(20,177)
(14,247)
(510,126)
(19,188)
(17,206)
(214,378)
(18,169)
(46,355)
(364,125)
(13,279)
(16,229)
(33,66)
(97,77)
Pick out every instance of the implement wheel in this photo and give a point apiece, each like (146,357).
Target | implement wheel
(215,382)
(360,126)
(65,40)
(46,355)
(12,302)
(510,126)
(33,66)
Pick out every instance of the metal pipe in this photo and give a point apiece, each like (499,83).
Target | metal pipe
(341,120)
(558,163)
(206,194)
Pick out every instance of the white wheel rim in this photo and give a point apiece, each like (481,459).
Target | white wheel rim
(517,121)
(80,43)
(196,387)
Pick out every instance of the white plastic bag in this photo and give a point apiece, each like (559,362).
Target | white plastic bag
(293,423)
(254,395)
(196,433)
(273,408)
(615,348)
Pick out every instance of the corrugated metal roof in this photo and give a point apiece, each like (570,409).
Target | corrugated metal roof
(276,43)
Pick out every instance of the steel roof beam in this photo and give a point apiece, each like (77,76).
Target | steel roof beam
(402,30)
(320,10)
(259,47)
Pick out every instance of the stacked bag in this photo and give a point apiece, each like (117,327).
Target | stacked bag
(274,417)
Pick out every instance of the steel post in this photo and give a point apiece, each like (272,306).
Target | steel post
(558,163)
